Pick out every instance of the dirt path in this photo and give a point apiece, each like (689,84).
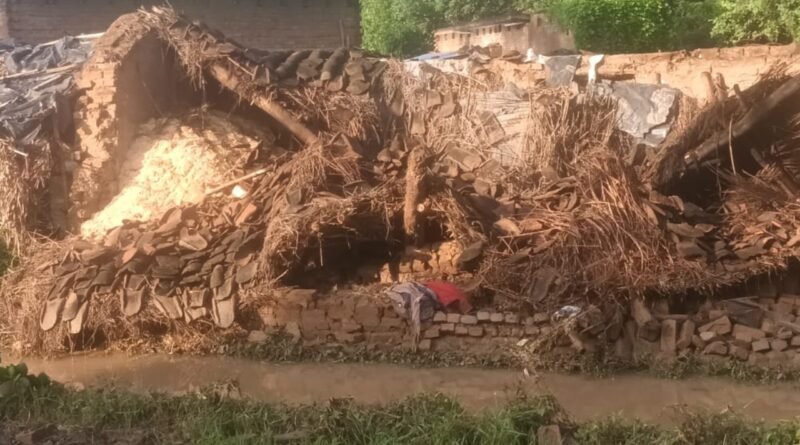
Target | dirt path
(649,399)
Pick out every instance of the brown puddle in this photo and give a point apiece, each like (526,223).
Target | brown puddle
(646,398)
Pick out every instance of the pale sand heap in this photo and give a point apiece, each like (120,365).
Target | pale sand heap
(171,163)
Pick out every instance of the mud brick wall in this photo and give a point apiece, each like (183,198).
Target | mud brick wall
(365,319)
(762,329)
(433,262)
(485,324)
(267,24)
(347,320)
(126,82)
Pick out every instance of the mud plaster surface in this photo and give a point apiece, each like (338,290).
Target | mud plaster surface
(171,162)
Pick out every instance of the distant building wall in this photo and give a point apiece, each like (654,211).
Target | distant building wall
(4,19)
(537,32)
(450,41)
(267,24)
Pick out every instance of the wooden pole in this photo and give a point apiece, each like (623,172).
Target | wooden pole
(228,80)
(414,175)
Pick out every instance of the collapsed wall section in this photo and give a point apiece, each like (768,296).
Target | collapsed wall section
(691,72)
(131,77)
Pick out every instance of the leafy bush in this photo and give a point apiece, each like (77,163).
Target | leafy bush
(397,27)
(16,385)
(456,11)
(692,23)
(405,27)
(757,21)
(616,26)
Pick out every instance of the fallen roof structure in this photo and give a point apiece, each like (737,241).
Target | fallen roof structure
(341,157)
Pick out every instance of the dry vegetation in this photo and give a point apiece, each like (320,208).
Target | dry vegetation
(570,216)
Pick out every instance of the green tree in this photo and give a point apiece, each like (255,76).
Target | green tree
(618,25)
(398,27)
(455,11)
(405,27)
(758,21)
(692,23)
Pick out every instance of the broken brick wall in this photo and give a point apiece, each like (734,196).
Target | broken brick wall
(761,330)
(267,24)
(131,77)
(683,70)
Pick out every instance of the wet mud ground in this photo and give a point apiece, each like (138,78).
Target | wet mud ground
(650,399)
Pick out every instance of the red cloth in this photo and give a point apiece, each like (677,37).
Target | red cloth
(448,294)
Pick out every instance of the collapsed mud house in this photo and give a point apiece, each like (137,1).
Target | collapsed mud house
(212,187)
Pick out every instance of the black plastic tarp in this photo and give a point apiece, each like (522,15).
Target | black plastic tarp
(29,93)
(26,58)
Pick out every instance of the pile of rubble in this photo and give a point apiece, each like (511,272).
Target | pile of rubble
(347,162)
(761,330)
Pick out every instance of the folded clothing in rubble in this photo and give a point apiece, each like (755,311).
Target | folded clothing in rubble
(417,302)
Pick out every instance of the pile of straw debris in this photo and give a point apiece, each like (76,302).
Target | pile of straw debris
(369,158)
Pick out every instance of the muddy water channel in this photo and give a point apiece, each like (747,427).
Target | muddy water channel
(649,399)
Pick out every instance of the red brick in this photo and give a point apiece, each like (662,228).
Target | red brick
(368,316)
(475,331)
(669,332)
(313,320)
(285,315)
(747,334)
(267,315)
(340,312)
(349,338)
(391,323)
(469,319)
(350,326)
(686,334)
(432,332)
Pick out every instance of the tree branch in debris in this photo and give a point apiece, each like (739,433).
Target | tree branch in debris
(227,79)
(757,114)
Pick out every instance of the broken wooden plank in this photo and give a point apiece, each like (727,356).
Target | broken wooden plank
(757,114)
(228,80)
